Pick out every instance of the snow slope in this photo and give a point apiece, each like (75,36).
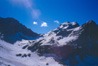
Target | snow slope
(8,57)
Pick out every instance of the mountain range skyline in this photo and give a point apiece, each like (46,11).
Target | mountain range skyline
(70,44)
(44,24)
(47,15)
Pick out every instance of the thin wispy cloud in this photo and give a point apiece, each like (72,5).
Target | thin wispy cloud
(29,5)
(35,23)
(56,21)
(25,3)
(44,24)
(36,13)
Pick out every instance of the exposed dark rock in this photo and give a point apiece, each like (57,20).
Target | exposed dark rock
(18,54)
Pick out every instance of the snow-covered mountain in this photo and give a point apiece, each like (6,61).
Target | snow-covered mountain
(71,43)
(11,31)
(61,35)
(68,45)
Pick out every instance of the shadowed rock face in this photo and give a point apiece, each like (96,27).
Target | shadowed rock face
(12,30)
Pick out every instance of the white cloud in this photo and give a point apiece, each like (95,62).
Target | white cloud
(56,21)
(44,24)
(35,23)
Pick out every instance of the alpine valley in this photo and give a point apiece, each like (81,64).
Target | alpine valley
(70,44)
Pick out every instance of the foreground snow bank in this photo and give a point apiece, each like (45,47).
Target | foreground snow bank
(8,57)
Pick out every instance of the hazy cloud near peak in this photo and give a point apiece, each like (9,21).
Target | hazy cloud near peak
(29,5)
(56,21)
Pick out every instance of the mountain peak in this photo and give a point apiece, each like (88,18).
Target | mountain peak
(69,25)
(89,23)
(13,30)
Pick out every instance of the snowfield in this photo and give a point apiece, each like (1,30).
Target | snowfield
(8,57)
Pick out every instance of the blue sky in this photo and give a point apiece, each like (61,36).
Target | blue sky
(44,15)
